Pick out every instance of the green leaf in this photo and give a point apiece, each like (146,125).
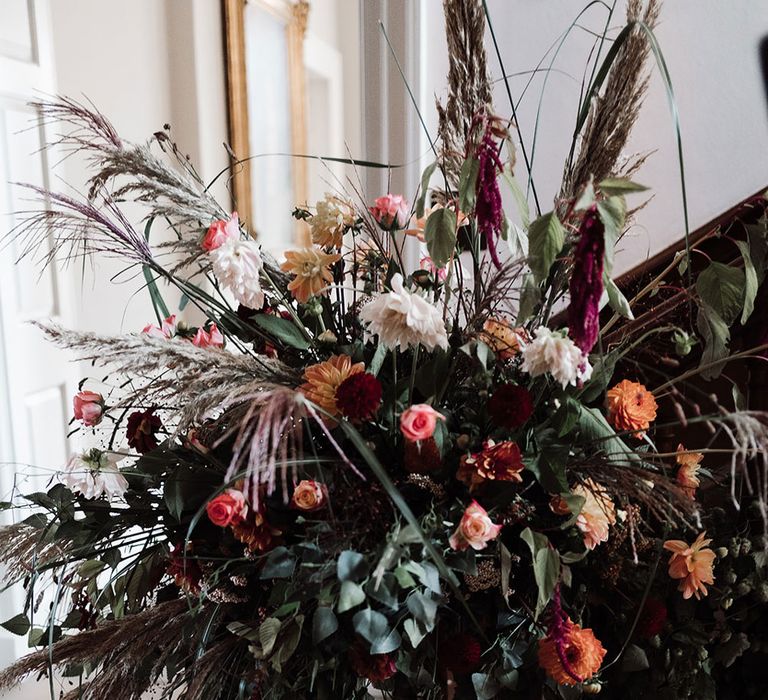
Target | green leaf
(613,213)
(282,329)
(378,359)
(280,563)
(324,624)
(614,186)
(530,296)
(351,566)
(440,235)
(414,631)
(634,659)
(268,631)
(374,628)
(350,596)
(616,298)
(425,178)
(423,609)
(485,685)
(546,566)
(566,417)
(716,335)
(404,578)
(468,183)
(89,569)
(546,237)
(721,287)
(549,464)
(601,437)
(520,200)
(18,624)
(289,642)
(517,242)
(586,199)
(750,281)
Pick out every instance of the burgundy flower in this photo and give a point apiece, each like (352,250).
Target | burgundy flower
(487,195)
(142,430)
(652,618)
(461,653)
(586,286)
(358,396)
(510,406)
(184,569)
(374,667)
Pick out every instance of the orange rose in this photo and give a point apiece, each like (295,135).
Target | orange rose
(631,407)
(692,564)
(308,495)
(227,508)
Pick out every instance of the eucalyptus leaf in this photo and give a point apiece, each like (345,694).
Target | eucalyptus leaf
(18,624)
(375,629)
(350,596)
(324,624)
(351,566)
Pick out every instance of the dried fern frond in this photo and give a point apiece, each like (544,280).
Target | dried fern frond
(469,89)
(613,114)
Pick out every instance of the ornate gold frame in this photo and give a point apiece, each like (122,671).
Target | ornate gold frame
(294,13)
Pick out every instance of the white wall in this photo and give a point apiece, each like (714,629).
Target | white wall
(711,49)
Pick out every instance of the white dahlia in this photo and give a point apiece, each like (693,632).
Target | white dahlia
(237,265)
(334,216)
(93,474)
(402,318)
(554,352)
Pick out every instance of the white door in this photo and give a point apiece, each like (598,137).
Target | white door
(36,380)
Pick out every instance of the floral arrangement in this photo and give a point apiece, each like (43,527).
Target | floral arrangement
(480,478)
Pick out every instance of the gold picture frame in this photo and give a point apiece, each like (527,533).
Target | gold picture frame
(293,14)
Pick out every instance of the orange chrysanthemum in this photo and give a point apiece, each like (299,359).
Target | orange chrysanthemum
(687,475)
(311,269)
(503,338)
(582,650)
(324,378)
(597,514)
(631,407)
(692,564)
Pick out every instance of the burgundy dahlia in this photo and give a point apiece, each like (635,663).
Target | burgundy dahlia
(374,667)
(461,653)
(487,195)
(359,396)
(142,430)
(510,406)
(586,286)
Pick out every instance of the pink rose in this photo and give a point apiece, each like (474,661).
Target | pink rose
(419,422)
(308,495)
(475,529)
(440,273)
(221,231)
(166,330)
(211,338)
(391,211)
(89,407)
(226,508)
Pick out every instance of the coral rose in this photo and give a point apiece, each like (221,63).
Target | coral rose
(220,232)
(686,477)
(226,508)
(308,495)
(631,407)
(475,529)
(419,422)
(88,407)
(581,650)
(597,514)
(692,564)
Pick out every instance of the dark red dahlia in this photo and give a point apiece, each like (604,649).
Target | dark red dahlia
(422,457)
(142,430)
(586,286)
(374,667)
(185,570)
(510,406)
(358,396)
(652,618)
(461,653)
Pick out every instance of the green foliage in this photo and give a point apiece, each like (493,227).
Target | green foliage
(546,566)
(546,237)
(440,235)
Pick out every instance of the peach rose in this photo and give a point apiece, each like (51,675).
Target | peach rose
(221,231)
(89,407)
(211,338)
(227,508)
(308,495)
(475,529)
(419,422)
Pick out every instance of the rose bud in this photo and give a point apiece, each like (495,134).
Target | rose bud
(89,407)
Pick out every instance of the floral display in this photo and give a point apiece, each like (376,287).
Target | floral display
(436,451)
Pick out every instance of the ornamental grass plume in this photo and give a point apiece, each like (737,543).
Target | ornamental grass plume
(586,286)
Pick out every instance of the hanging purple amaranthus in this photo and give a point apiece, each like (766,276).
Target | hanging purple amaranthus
(557,631)
(586,285)
(487,195)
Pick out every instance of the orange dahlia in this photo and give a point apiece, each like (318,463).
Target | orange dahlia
(311,269)
(687,475)
(631,407)
(597,514)
(324,378)
(692,564)
(582,651)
